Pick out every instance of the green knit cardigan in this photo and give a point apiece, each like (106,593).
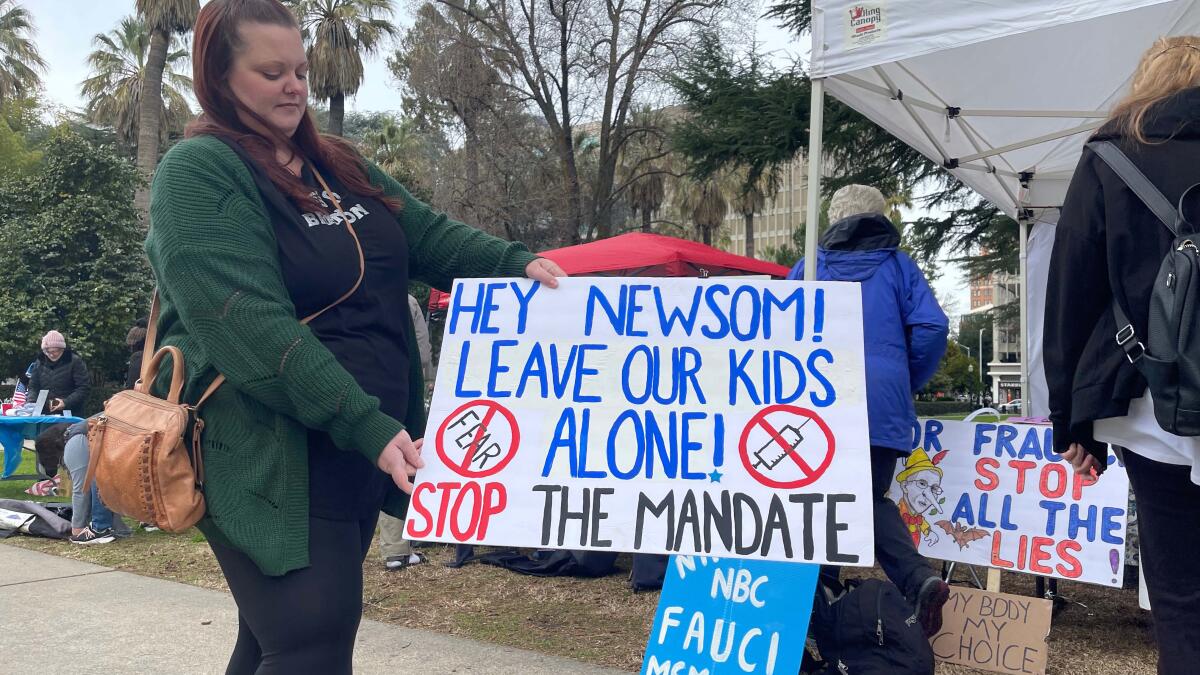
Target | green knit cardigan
(225,305)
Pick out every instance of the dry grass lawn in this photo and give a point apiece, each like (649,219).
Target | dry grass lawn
(596,620)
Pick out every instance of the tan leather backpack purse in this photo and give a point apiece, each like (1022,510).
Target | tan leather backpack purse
(139,458)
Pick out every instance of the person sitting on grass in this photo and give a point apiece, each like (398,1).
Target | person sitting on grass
(91,521)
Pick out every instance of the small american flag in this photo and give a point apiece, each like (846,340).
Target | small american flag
(21,391)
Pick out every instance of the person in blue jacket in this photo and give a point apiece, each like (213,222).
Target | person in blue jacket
(905,331)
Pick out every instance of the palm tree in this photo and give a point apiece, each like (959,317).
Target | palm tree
(119,70)
(644,158)
(702,201)
(751,198)
(339,33)
(164,19)
(646,195)
(397,148)
(20,62)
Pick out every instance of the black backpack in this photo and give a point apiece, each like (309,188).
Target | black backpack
(868,628)
(1169,356)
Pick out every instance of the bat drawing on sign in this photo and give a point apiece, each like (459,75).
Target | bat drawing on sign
(961,534)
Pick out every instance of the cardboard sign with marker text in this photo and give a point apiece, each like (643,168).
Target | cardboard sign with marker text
(997,632)
(722,417)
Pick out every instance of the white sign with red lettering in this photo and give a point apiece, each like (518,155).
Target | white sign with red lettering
(995,494)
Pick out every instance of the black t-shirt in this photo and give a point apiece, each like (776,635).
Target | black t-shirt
(366,332)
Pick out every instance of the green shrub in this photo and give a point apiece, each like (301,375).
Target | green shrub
(99,394)
(937,408)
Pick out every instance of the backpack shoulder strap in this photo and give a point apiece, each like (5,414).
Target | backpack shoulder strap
(1126,337)
(1128,172)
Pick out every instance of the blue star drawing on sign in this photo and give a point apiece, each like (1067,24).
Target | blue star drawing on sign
(715,476)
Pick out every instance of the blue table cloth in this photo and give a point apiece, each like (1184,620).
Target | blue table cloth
(14,430)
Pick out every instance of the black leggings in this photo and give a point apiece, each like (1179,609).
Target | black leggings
(1168,507)
(306,620)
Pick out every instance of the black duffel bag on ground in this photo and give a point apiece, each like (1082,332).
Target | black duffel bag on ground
(868,628)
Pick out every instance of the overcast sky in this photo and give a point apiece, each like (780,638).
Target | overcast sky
(66,28)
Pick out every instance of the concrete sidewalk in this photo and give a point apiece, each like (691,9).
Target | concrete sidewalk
(71,617)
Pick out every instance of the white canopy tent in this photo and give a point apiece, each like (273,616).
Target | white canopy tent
(1002,93)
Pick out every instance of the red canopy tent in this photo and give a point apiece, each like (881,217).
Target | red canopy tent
(647,255)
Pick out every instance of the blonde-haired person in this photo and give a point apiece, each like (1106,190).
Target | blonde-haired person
(1109,246)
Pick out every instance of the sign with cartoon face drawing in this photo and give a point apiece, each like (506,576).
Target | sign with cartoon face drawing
(712,417)
(920,482)
(996,494)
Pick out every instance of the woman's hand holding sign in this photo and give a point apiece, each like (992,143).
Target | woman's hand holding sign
(401,458)
(544,271)
(1082,461)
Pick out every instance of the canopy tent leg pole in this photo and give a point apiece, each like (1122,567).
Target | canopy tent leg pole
(1023,218)
(1023,299)
(993,580)
(812,219)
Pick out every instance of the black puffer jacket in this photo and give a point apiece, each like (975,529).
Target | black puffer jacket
(1108,243)
(66,378)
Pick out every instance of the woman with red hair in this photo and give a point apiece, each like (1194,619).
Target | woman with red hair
(258,220)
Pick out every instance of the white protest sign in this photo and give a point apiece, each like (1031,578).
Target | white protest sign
(713,417)
(996,494)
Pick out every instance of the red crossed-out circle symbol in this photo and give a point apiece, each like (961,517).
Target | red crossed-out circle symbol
(786,447)
(480,445)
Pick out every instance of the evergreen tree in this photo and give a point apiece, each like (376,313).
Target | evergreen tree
(744,114)
(71,248)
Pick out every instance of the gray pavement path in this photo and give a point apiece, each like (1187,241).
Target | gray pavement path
(70,617)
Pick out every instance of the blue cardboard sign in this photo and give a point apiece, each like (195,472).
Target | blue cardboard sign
(731,615)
